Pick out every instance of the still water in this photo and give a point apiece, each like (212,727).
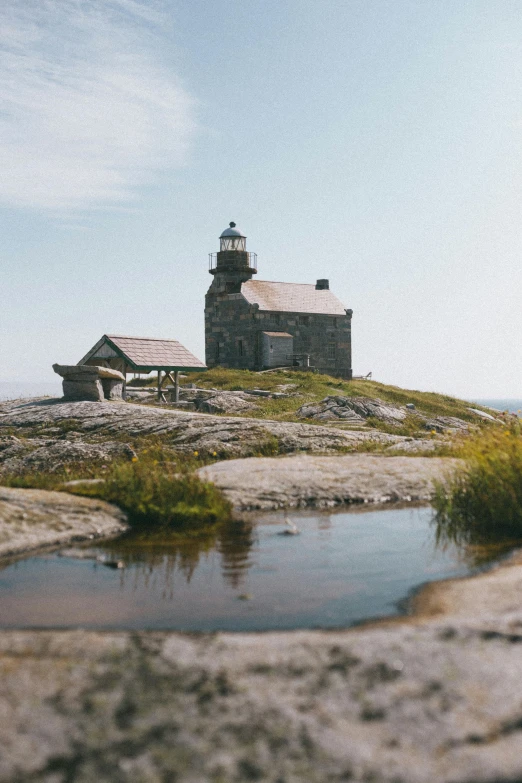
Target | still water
(340,569)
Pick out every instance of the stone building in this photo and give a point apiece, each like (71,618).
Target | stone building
(256,324)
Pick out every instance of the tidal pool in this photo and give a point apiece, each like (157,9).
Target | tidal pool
(340,569)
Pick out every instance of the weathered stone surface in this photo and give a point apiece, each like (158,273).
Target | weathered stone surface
(109,373)
(112,388)
(83,390)
(140,394)
(76,372)
(32,518)
(220,401)
(312,481)
(187,432)
(490,594)
(86,372)
(358,409)
(223,402)
(445,424)
(50,455)
(414,446)
(83,382)
(433,701)
(482,414)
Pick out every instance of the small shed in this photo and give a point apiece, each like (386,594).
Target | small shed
(277,349)
(144,354)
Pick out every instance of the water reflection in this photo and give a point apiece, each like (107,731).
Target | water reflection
(234,544)
(475,550)
(159,555)
(342,568)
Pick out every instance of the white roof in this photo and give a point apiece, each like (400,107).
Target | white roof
(232,231)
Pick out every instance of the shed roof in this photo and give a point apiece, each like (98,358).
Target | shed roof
(147,353)
(278,334)
(292,298)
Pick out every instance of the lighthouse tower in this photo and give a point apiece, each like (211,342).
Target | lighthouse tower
(232,265)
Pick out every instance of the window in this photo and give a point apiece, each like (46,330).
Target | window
(217,353)
(240,347)
(330,350)
(303,320)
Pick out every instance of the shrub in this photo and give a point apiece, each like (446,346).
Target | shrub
(483,500)
(158,489)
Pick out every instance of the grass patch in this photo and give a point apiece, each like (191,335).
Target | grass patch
(160,497)
(482,502)
(310,386)
(157,489)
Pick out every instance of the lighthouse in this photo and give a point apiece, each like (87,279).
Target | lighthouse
(259,324)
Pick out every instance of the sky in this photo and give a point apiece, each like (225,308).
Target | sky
(376,143)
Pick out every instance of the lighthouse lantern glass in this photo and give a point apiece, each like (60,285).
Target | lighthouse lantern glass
(233,243)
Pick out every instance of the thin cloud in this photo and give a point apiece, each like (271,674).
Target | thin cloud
(89,109)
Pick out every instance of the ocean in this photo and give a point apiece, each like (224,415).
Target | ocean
(511,405)
(13,390)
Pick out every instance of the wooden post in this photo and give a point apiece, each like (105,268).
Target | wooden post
(124,392)
(176,386)
(159,385)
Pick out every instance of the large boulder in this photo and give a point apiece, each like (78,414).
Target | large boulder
(83,382)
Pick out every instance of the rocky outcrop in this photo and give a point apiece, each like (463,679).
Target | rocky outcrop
(51,455)
(187,432)
(212,401)
(445,424)
(33,518)
(434,701)
(320,482)
(354,409)
(357,410)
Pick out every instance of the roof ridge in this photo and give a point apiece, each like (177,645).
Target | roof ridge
(134,337)
(281,282)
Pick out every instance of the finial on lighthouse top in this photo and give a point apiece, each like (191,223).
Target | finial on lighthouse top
(232,238)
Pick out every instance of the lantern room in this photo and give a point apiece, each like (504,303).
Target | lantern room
(232,239)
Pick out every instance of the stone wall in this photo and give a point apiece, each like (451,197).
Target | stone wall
(230,332)
(233,330)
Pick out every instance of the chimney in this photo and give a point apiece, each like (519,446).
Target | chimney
(322,285)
